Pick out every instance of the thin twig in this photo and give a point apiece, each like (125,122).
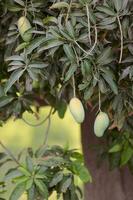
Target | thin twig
(80,47)
(39,124)
(121,32)
(47,131)
(99,96)
(10,153)
(25,10)
(68,12)
(88,18)
(74,88)
(94,45)
(77,57)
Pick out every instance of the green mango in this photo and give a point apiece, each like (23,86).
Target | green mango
(23,26)
(77,110)
(101,124)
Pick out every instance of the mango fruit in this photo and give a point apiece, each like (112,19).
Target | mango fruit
(101,124)
(23,26)
(77,110)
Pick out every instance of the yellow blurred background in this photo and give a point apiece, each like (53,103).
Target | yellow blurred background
(17,135)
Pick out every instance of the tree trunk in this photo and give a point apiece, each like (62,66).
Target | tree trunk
(107,185)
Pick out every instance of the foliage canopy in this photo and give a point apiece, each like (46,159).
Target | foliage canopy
(81,47)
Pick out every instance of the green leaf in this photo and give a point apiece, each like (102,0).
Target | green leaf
(111,83)
(50,44)
(66,184)
(70,29)
(61,108)
(107,21)
(20,2)
(82,172)
(17,192)
(21,46)
(70,72)
(105,54)
(13,78)
(29,164)
(59,5)
(12,173)
(115,148)
(42,188)
(126,155)
(105,10)
(31,193)
(56,179)
(5,100)
(35,43)
(69,52)
(38,65)
(2,155)
(29,183)
(15,58)
(118,4)
(24,171)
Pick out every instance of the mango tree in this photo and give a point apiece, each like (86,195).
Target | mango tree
(77,53)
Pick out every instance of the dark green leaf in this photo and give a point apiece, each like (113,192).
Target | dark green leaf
(70,72)
(5,100)
(13,78)
(18,191)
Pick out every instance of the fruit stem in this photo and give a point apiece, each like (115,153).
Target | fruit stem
(74,88)
(99,101)
(88,17)
(9,153)
(121,33)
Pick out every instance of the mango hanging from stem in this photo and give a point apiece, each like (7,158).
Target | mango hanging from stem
(77,110)
(101,124)
(23,27)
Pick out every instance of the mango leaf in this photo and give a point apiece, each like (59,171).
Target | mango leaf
(107,21)
(24,171)
(29,164)
(50,44)
(66,184)
(69,52)
(17,192)
(15,57)
(2,155)
(42,188)
(38,65)
(56,179)
(111,83)
(126,155)
(20,2)
(70,29)
(82,172)
(70,72)
(106,53)
(35,43)
(12,173)
(105,10)
(29,183)
(59,5)
(21,46)
(118,4)
(13,78)
(31,193)
(4,100)
(61,108)
(115,148)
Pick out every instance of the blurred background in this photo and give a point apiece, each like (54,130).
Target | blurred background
(17,135)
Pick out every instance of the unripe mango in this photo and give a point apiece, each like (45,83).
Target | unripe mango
(77,110)
(101,124)
(23,26)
